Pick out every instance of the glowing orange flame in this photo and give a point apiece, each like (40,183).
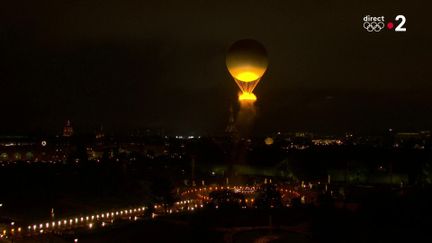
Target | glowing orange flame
(247,96)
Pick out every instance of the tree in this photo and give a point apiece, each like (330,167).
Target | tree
(164,192)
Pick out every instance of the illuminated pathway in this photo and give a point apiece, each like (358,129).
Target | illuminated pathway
(202,193)
(191,199)
(65,224)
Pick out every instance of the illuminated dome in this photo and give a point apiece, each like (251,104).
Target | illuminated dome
(246,60)
(268,141)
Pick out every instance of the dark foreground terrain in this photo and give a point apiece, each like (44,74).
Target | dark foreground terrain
(382,216)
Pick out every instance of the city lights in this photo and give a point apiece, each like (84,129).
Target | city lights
(192,205)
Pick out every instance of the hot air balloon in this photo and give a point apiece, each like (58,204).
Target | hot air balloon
(247,62)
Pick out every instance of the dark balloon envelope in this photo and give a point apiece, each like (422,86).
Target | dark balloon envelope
(247,62)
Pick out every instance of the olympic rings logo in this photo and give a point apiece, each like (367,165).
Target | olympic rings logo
(373,26)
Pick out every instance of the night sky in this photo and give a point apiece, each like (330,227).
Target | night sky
(161,64)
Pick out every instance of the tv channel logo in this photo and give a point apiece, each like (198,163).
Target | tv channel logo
(377,24)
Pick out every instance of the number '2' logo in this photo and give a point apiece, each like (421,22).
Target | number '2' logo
(400,27)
